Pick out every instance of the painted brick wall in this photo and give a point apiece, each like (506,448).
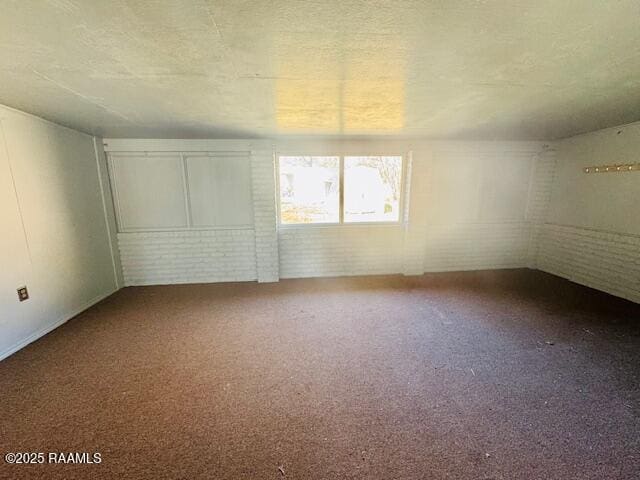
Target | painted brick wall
(426,241)
(207,255)
(477,246)
(416,228)
(196,256)
(607,261)
(539,199)
(475,238)
(267,252)
(363,250)
(591,233)
(265,216)
(340,250)
(599,258)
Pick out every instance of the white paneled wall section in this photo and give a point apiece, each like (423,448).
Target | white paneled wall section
(56,222)
(157,191)
(194,211)
(466,206)
(478,201)
(349,248)
(592,230)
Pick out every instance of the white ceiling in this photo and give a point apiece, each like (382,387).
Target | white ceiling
(512,69)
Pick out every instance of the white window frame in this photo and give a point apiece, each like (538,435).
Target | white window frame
(341,222)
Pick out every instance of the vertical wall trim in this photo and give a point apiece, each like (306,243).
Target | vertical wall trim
(263,187)
(340,189)
(185,189)
(112,173)
(106,215)
(405,187)
(414,217)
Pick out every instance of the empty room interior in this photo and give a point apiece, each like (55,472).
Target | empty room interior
(352,239)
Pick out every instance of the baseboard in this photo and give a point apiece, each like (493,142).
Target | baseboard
(43,331)
(455,269)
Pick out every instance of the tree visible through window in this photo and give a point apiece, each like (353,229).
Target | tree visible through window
(310,189)
(372,189)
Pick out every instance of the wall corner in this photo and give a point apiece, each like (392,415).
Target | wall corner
(108,209)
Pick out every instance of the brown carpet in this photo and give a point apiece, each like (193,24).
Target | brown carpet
(442,376)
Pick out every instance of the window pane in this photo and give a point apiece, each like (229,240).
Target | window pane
(309,189)
(372,189)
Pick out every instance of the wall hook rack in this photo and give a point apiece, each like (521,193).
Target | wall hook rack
(627,167)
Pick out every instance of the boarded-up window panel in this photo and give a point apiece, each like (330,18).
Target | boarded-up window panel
(455,189)
(505,187)
(150,192)
(220,191)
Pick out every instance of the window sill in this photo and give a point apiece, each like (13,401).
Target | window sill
(304,226)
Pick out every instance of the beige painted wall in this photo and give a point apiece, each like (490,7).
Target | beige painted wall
(55,239)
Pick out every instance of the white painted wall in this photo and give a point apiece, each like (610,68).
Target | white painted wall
(592,231)
(600,201)
(475,205)
(468,206)
(55,236)
(341,250)
(194,211)
(188,256)
(479,204)
(334,251)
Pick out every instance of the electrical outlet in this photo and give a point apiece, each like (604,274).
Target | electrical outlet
(23,294)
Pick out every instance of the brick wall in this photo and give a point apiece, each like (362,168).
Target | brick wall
(267,252)
(477,246)
(599,258)
(214,254)
(197,256)
(479,242)
(340,250)
(591,233)
(416,227)
(421,244)
(607,261)
(603,259)
(265,217)
(539,199)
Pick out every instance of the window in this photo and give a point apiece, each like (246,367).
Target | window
(350,189)
(310,189)
(372,189)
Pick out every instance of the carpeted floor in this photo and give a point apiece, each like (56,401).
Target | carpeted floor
(503,375)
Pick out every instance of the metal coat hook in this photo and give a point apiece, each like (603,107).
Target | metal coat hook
(628,167)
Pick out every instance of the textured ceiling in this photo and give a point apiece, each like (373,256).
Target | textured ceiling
(441,68)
